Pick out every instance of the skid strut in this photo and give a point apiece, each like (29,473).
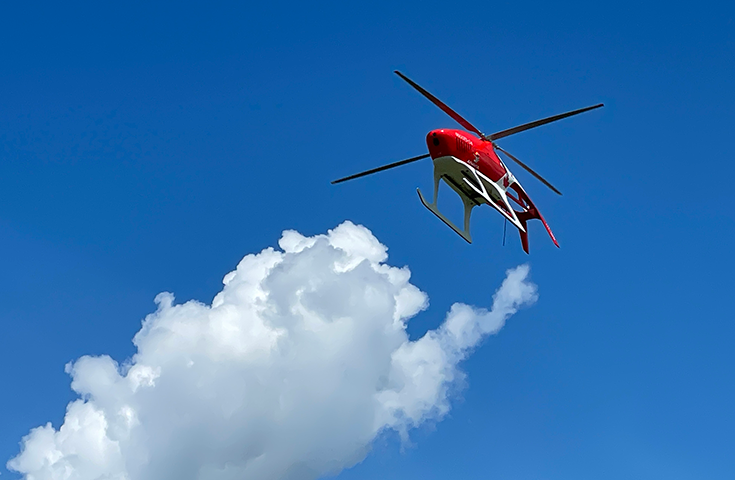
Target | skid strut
(468,206)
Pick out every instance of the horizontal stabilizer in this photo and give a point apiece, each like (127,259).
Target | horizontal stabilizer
(524,236)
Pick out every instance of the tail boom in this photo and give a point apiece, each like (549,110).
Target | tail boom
(529,212)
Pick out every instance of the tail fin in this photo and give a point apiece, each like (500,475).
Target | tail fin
(529,214)
(548,229)
(524,234)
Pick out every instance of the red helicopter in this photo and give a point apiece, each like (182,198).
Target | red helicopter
(470,165)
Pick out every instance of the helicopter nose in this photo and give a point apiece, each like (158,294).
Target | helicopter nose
(434,138)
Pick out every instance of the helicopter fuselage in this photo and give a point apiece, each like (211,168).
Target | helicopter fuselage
(465,146)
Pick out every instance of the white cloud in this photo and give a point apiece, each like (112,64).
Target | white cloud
(299,363)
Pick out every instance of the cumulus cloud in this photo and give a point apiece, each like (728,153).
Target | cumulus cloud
(299,363)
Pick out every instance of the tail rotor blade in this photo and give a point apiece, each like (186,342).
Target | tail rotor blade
(456,116)
(380,169)
(538,123)
(529,170)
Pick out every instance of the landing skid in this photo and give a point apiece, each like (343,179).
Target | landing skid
(467,212)
(472,192)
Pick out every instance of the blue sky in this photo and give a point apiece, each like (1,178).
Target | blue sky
(150,147)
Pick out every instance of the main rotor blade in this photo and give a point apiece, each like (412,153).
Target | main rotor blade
(380,169)
(529,170)
(456,116)
(538,123)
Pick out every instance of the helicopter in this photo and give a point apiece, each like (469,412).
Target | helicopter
(468,162)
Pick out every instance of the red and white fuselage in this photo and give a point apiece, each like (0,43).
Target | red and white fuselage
(473,169)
